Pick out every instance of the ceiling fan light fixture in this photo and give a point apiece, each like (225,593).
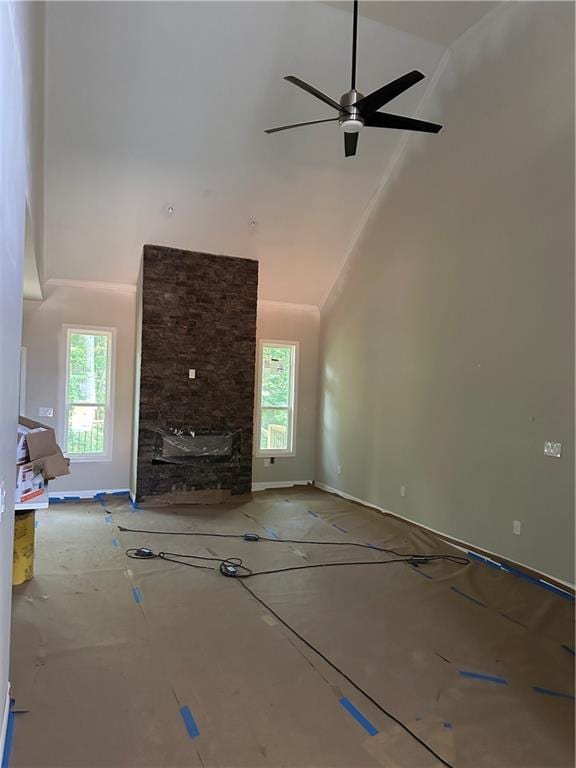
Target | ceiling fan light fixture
(351,124)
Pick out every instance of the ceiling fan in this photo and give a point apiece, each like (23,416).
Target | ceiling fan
(356,110)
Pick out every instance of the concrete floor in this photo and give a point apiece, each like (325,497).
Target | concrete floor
(148,663)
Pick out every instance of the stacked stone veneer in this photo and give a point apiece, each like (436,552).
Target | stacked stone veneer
(198,311)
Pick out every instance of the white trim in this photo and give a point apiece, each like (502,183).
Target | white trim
(94,285)
(4,723)
(277,452)
(267,304)
(465,545)
(388,173)
(107,454)
(84,494)
(279,484)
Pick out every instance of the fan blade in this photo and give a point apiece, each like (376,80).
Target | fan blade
(315,92)
(297,125)
(350,144)
(385,120)
(369,104)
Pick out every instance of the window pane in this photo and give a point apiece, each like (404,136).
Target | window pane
(274,429)
(276,376)
(85,429)
(88,355)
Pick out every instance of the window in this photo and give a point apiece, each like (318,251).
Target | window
(276,401)
(87,411)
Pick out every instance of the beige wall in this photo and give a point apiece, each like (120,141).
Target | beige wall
(292,323)
(43,338)
(447,348)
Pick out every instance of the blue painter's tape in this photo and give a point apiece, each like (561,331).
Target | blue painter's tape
(468,597)
(73,498)
(312,513)
(549,692)
(272,532)
(9,736)
(137,594)
(422,573)
(108,519)
(342,530)
(35,523)
(567,648)
(514,620)
(190,723)
(134,504)
(358,716)
(487,678)
(120,493)
(116,543)
(521,575)
(55,500)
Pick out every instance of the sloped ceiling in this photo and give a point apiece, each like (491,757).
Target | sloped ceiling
(151,105)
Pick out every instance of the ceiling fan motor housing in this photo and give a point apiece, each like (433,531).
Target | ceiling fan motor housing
(351,120)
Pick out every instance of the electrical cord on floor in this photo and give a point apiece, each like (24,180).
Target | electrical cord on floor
(346,677)
(234,567)
(256,537)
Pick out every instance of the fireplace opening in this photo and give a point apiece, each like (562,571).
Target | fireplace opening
(178,444)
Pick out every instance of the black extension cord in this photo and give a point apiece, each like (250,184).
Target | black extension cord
(419,559)
(233,567)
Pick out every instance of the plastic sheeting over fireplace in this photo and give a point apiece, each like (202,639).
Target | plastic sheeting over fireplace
(182,444)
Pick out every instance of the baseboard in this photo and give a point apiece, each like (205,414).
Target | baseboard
(4,729)
(495,557)
(278,484)
(86,494)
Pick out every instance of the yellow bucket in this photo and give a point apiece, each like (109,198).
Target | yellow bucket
(23,563)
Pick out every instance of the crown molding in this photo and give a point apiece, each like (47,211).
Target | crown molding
(287,306)
(93,285)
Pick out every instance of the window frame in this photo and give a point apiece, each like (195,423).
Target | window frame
(292,408)
(106,455)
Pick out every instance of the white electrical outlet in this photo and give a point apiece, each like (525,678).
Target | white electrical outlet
(517,527)
(339,470)
(192,373)
(552,449)
(266,462)
(402,490)
(47,413)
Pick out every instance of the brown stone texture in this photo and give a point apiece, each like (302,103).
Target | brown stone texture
(198,311)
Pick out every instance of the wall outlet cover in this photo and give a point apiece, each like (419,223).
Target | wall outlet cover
(46,413)
(402,490)
(552,449)
(192,373)
(517,527)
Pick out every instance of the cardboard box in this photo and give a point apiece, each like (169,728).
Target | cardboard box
(30,482)
(43,459)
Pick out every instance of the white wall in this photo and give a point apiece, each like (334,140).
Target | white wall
(20,73)
(448,345)
(43,338)
(293,323)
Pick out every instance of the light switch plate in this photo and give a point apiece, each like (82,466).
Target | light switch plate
(46,413)
(192,373)
(517,527)
(552,449)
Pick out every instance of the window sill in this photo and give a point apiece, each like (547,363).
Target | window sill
(89,458)
(275,455)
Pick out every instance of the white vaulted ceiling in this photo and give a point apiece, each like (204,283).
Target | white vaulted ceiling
(150,105)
